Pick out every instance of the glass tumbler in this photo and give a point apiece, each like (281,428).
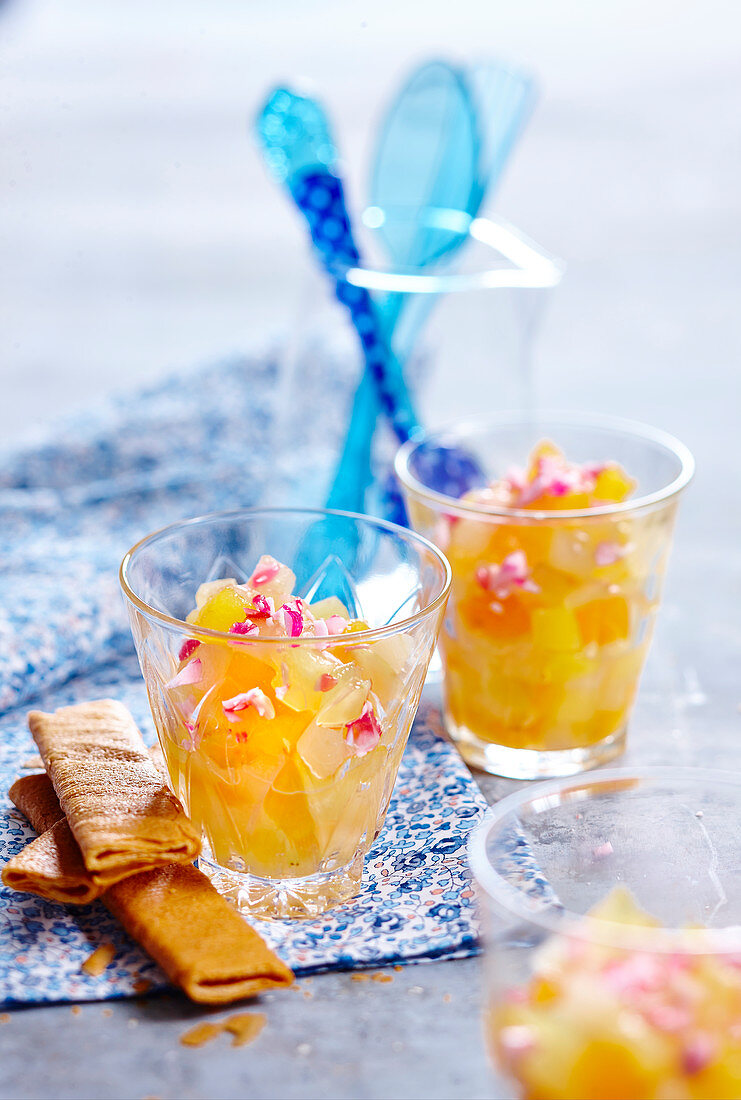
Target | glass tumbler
(612,923)
(542,682)
(291,792)
(465,315)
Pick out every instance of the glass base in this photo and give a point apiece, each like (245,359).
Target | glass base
(532,763)
(284,899)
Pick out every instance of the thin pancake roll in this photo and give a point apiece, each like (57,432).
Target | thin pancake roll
(174,912)
(121,814)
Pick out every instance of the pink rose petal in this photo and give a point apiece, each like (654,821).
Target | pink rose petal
(607,553)
(192,739)
(246,629)
(191,674)
(326,682)
(262,607)
(293,621)
(516,1041)
(504,579)
(255,697)
(188,648)
(698,1054)
(365,732)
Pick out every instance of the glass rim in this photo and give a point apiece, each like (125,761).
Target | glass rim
(580,926)
(358,637)
(617,425)
(531,267)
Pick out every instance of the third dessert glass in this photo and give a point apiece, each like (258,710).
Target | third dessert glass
(612,909)
(557,574)
(284,653)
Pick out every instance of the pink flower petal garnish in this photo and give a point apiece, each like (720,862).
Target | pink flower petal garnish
(555,476)
(321,630)
(698,1054)
(634,974)
(607,553)
(516,1041)
(255,697)
(365,732)
(669,1018)
(267,569)
(263,607)
(293,621)
(515,479)
(192,739)
(504,579)
(326,682)
(191,674)
(336,624)
(188,648)
(246,629)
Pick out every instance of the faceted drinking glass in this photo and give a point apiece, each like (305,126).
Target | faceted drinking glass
(287,801)
(543,684)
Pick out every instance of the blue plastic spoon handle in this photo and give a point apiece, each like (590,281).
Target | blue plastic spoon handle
(319,195)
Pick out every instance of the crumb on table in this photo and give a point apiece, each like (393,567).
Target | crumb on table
(244,1027)
(100,960)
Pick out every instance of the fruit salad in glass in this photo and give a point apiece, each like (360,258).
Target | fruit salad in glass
(557,568)
(610,905)
(283,718)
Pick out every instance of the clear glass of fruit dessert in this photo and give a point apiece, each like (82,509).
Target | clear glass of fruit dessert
(284,653)
(612,919)
(558,530)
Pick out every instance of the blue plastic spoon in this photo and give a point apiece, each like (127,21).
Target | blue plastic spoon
(299,150)
(443,145)
(300,153)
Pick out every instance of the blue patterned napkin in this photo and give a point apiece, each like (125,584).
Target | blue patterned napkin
(416,900)
(69,509)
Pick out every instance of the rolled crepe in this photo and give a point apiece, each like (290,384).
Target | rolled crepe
(201,943)
(122,815)
(51,865)
(35,797)
(175,914)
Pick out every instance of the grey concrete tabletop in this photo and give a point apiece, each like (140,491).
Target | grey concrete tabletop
(631,171)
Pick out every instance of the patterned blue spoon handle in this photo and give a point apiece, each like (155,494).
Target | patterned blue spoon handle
(318,194)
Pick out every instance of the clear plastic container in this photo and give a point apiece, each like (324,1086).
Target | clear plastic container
(612,922)
(464,328)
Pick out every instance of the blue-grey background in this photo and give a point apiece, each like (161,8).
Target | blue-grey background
(139,234)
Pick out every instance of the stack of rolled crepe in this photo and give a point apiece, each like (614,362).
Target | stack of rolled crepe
(109,827)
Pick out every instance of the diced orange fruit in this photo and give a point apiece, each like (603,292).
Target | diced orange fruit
(603,620)
(507,619)
(607,1070)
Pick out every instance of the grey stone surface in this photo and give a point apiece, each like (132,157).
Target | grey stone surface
(140,234)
